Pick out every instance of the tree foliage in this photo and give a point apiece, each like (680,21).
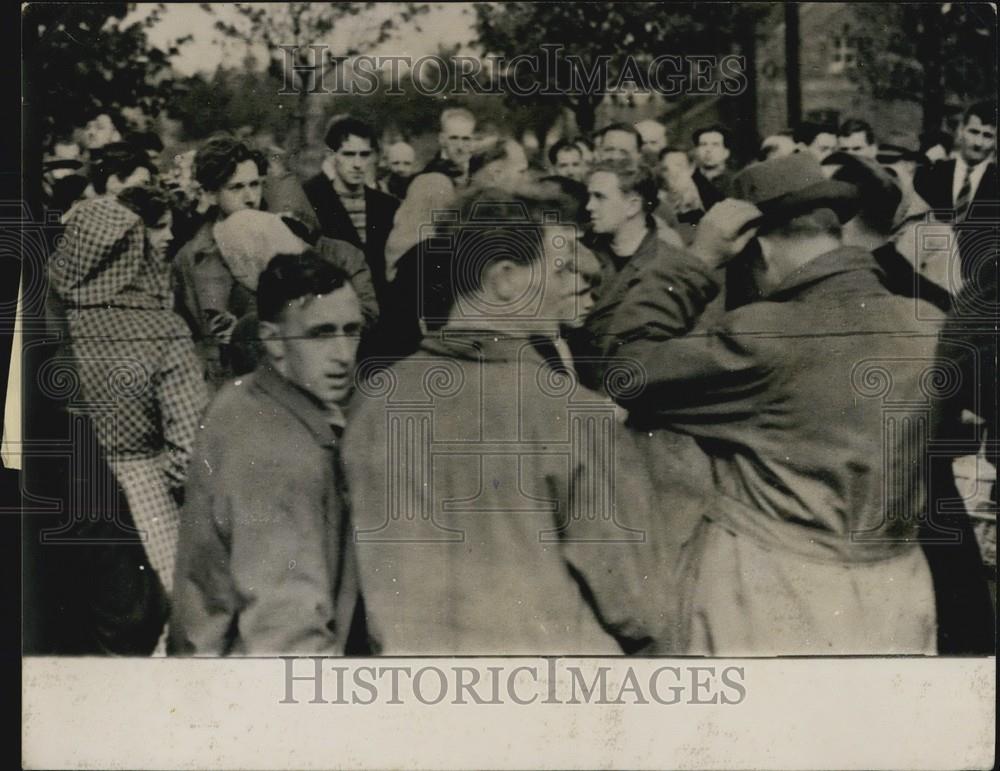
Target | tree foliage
(287,30)
(927,52)
(618,31)
(78,58)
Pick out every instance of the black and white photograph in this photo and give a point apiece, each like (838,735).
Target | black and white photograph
(437,354)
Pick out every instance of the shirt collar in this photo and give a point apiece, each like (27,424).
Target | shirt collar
(304,406)
(844,259)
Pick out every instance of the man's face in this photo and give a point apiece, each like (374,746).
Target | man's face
(675,168)
(976,140)
(609,207)
(141,176)
(318,339)
(654,138)
(160,235)
(823,144)
(241,191)
(456,139)
(351,159)
(619,145)
(400,158)
(569,163)
(100,131)
(711,151)
(857,144)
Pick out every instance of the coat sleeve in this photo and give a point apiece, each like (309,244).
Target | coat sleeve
(182,396)
(667,370)
(254,563)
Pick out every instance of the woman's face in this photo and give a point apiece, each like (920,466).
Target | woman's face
(160,234)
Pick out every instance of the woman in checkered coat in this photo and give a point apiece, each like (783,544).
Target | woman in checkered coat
(139,378)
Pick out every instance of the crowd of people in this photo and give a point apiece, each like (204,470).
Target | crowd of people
(619,397)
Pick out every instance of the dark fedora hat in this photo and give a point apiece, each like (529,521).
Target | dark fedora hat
(785,188)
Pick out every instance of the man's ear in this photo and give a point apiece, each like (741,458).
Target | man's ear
(726,156)
(272,339)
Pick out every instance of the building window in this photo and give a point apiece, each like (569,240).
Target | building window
(843,55)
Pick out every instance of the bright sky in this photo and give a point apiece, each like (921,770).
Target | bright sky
(444,24)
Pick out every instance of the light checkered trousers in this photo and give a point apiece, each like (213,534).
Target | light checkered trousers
(140,380)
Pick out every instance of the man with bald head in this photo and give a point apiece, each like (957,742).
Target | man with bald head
(654,138)
(458,129)
(400,158)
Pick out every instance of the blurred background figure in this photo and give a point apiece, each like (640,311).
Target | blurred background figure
(566,160)
(677,185)
(503,165)
(654,139)
(857,138)
(816,138)
(401,161)
(777,146)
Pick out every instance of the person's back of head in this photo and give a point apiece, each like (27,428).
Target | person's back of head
(121,164)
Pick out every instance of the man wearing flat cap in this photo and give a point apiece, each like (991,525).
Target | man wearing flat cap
(807,405)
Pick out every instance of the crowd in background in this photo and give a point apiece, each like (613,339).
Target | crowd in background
(257,315)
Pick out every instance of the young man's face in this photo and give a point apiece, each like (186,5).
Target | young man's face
(456,139)
(140,176)
(711,151)
(823,144)
(619,145)
(318,340)
(241,191)
(857,144)
(160,235)
(609,207)
(351,160)
(976,140)
(569,163)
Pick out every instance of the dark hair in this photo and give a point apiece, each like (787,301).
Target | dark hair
(577,191)
(880,196)
(985,111)
(150,202)
(716,128)
(853,126)
(344,126)
(119,159)
(632,178)
(563,144)
(495,224)
(671,149)
(117,119)
(807,131)
(625,128)
(217,159)
(148,140)
(931,139)
(289,277)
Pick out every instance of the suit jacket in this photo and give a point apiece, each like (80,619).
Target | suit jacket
(935,182)
(335,222)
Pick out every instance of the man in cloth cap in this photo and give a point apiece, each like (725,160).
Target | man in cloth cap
(808,405)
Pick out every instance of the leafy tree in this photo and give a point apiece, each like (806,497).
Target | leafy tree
(928,53)
(78,57)
(287,30)
(622,34)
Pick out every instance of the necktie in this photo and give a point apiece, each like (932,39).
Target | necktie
(964,197)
